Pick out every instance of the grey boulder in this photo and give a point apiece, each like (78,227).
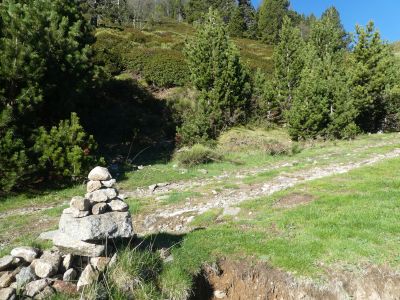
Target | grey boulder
(118,205)
(99,208)
(48,264)
(71,245)
(25,276)
(93,186)
(99,174)
(97,227)
(80,203)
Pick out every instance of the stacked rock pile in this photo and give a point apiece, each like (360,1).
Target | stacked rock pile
(82,245)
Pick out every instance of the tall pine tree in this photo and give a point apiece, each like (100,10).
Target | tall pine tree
(270,19)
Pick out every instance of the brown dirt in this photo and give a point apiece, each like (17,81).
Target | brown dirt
(293,200)
(243,280)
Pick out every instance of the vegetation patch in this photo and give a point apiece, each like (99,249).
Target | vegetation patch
(197,155)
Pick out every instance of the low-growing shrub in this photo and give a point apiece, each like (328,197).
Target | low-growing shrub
(197,155)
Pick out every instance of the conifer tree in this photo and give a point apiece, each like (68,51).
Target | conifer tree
(250,17)
(219,76)
(372,75)
(270,19)
(289,62)
(237,25)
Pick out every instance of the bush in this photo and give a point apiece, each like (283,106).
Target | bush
(65,151)
(197,155)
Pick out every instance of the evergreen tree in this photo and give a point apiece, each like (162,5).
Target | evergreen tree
(372,76)
(289,62)
(195,10)
(270,19)
(250,18)
(217,72)
(237,25)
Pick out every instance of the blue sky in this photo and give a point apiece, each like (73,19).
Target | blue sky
(385,13)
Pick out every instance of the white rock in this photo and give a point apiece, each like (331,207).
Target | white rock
(78,213)
(97,227)
(47,265)
(231,211)
(109,183)
(219,294)
(35,287)
(99,174)
(67,261)
(70,275)
(6,262)
(102,195)
(26,253)
(7,294)
(80,203)
(74,246)
(99,208)
(89,276)
(118,205)
(93,186)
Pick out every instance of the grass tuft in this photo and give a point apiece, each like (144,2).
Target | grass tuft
(197,155)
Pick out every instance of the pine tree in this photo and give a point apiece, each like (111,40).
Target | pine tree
(217,72)
(237,25)
(195,10)
(289,62)
(250,17)
(270,19)
(372,75)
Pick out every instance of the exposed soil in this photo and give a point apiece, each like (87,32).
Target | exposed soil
(293,200)
(243,280)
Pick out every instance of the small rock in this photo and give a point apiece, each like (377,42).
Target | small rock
(152,187)
(99,174)
(26,253)
(111,193)
(47,265)
(7,294)
(6,262)
(122,197)
(214,192)
(219,294)
(46,293)
(93,186)
(99,208)
(231,211)
(6,279)
(118,205)
(109,183)
(89,276)
(70,275)
(140,167)
(25,276)
(64,287)
(35,287)
(76,213)
(100,263)
(97,196)
(67,261)
(80,203)
(202,171)
(113,260)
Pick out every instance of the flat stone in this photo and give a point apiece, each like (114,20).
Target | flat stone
(64,287)
(98,227)
(70,275)
(99,208)
(6,262)
(25,276)
(46,293)
(93,186)
(35,287)
(67,261)
(100,263)
(109,183)
(47,265)
(77,247)
(48,235)
(80,203)
(98,196)
(26,253)
(7,294)
(6,279)
(99,174)
(88,277)
(75,213)
(118,205)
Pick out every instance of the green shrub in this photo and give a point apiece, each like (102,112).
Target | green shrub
(197,155)
(65,151)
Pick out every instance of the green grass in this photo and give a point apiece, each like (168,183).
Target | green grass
(353,221)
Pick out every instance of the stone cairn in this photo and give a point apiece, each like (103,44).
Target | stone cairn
(82,249)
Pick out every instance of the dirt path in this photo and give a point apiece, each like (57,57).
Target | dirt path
(176,218)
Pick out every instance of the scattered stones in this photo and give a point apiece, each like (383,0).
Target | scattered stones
(99,208)
(35,287)
(80,203)
(118,205)
(6,279)
(6,262)
(25,276)
(88,276)
(48,265)
(28,254)
(99,174)
(93,186)
(7,294)
(70,275)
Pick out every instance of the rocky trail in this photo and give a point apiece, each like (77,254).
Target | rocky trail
(177,217)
